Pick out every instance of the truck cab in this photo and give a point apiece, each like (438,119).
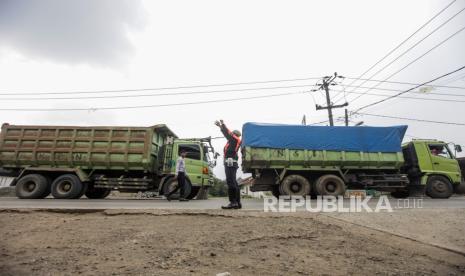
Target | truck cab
(199,164)
(432,164)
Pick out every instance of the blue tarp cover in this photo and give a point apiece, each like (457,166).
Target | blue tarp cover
(338,138)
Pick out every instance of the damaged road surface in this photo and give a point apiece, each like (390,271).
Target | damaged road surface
(177,242)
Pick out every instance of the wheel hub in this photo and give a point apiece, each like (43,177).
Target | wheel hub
(331,187)
(439,186)
(65,187)
(296,187)
(30,186)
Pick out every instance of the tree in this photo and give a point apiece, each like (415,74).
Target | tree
(219,188)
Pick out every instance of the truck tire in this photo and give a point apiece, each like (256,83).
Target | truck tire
(438,187)
(275,191)
(32,186)
(83,190)
(295,185)
(194,192)
(330,184)
(67,186)
(97,193)
(171,185)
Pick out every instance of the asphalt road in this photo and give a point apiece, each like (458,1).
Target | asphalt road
(210,204)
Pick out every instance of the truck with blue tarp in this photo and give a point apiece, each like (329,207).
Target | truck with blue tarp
(326,160)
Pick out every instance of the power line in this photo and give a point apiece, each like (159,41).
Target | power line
(408,90)
(412,119)
(153,89)
(155,95)
(415,60)
(413,92)
(409,49)
(196,86)
(412,98)
(406,83)
(402,43)
(317,123)
(148,106)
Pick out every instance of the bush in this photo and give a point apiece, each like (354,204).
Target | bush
(219,188)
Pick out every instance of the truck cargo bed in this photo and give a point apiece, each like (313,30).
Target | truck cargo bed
(255,158)
(111,148)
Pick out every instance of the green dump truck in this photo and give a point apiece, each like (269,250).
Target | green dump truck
(69,162)
(308,160)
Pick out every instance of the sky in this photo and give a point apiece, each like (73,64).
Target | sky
(54,46)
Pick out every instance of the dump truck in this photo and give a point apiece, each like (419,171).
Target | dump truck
(69,161)
(321,160)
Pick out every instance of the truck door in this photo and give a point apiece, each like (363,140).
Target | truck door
(194,163)
(443,160)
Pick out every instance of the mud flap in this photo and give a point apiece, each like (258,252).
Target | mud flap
(460,188)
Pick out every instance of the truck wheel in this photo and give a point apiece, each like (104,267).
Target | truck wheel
(275,191)
(32,186)
(330,184)
(67,186)
(83,190)
(97,193)
(295,185)
(194,191)
(438,187)
(171,184)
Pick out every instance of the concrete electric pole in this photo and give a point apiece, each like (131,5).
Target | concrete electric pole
(327,81)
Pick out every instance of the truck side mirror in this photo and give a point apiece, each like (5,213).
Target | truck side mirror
(458,148)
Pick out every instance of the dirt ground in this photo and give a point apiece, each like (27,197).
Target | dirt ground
(440,227)
(209,242)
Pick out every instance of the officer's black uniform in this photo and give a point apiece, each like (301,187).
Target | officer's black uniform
(230,151)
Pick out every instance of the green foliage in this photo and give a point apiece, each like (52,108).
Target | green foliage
(219,188)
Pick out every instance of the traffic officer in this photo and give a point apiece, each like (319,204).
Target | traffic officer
(230,165)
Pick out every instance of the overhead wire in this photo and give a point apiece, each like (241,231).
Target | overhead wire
(409,49)
(191,87)
(412,119)
(403,42)
(408,90)
(412,98)
(149,106)
(411,92)
(158,94)
(152,89)
(415,60)
(406,83)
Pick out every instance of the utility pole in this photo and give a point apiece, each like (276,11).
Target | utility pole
(327,81)
(346,117)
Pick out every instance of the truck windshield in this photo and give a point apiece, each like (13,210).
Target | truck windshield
(206,153)
(440,150)
(193,151)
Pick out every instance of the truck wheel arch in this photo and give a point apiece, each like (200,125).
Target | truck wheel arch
(424,178)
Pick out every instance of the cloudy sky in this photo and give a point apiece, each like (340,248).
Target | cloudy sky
(51,49)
